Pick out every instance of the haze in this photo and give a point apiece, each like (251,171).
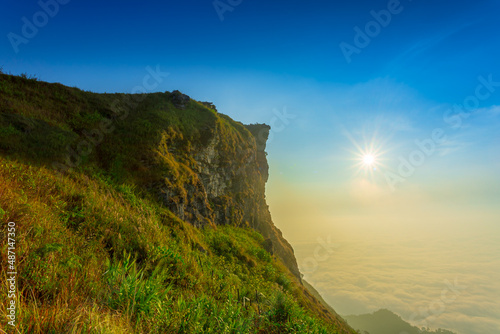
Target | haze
(421,93)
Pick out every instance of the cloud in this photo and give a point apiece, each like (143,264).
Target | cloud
(364,191)
(491,110)
(452,145)
(424,45)
(438,282)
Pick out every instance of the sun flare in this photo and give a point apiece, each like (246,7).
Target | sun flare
(368,160)
(368,157)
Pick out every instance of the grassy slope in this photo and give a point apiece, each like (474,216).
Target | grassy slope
(97,254)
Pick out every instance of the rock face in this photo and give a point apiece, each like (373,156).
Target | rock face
(206,168)
(221,180)
(209,105)
(179,100)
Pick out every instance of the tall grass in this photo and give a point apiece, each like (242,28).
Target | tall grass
(97,253)
(93,258)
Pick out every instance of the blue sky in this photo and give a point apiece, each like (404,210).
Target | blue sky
(106,43)
(267,59)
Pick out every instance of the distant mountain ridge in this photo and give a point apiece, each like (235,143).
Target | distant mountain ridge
(384,321)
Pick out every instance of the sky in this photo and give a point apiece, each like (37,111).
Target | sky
(415,84)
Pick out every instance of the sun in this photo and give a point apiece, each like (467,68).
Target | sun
(368,160)
(368,157)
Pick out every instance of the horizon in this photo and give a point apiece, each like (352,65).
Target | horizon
(384,115)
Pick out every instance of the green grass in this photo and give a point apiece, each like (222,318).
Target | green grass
(98,253)
(109,258)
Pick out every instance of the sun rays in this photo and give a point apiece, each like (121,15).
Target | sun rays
(368,156)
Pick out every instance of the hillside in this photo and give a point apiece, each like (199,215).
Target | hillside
(386,322)
(142,213)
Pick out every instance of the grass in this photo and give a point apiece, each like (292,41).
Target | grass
(95,259)
(97,252)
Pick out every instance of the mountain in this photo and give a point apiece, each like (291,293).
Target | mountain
(141,213)
(386,322)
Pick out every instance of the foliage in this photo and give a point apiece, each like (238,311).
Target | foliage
(96,253)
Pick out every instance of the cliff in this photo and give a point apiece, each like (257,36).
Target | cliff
(218,177)
(157,193)
(228,180)
(202,165)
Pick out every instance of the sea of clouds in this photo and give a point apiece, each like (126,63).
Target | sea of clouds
(436,281)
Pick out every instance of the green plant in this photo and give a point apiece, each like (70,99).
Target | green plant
(100,252)
(130,291)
